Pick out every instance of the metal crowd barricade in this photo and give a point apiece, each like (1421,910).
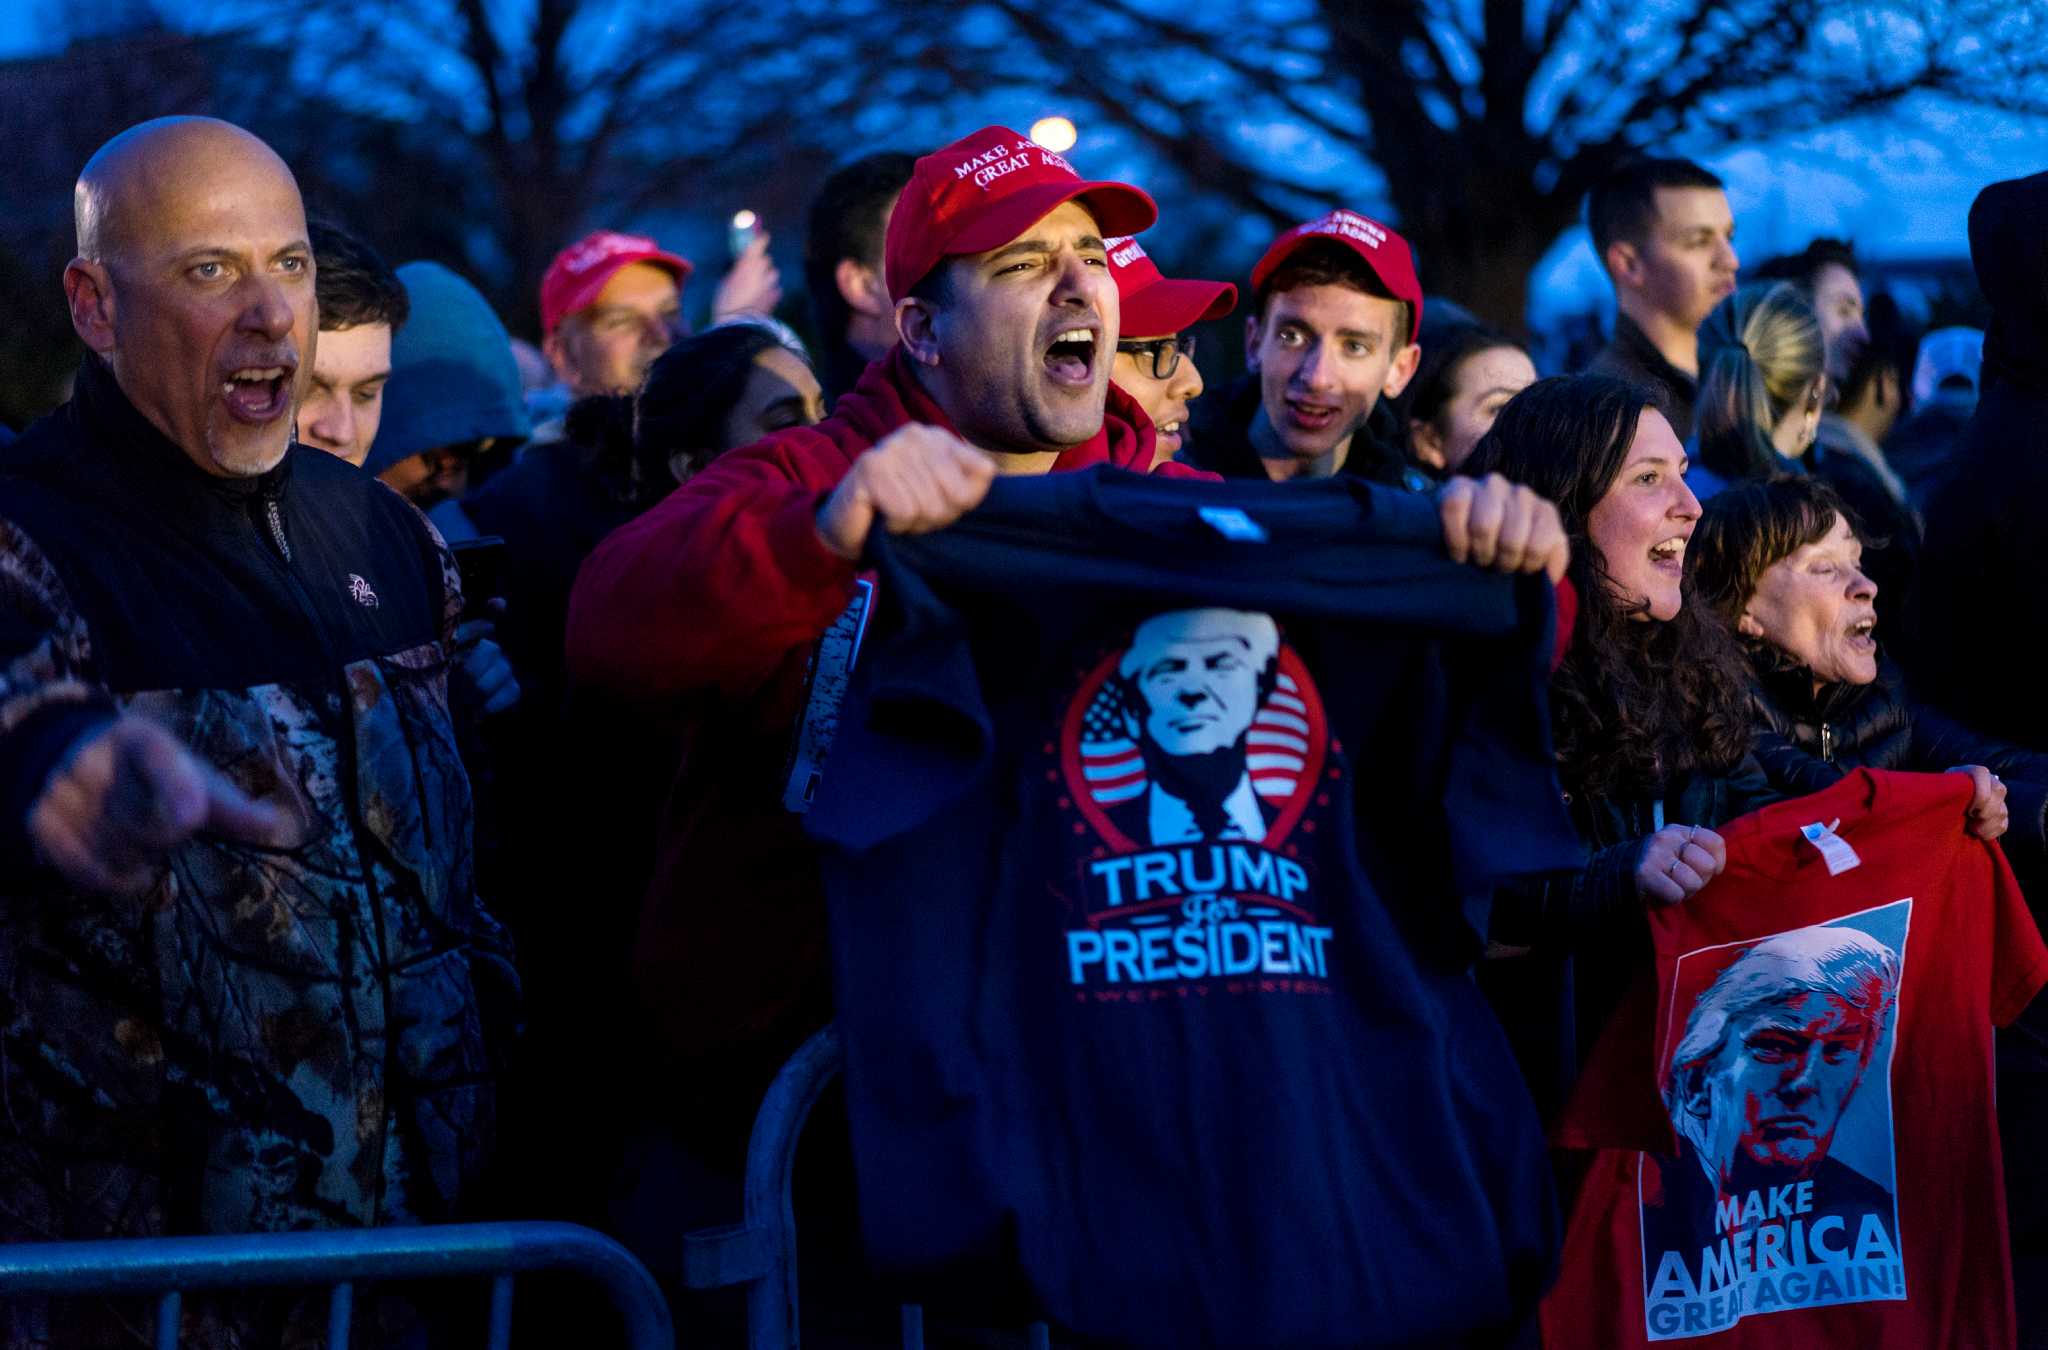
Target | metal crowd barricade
(340,1259)
(760,1250)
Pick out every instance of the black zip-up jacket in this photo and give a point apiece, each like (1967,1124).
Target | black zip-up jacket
(1807,741)
(1222,442)
(1978,585)
(1631,356)
(268,1038)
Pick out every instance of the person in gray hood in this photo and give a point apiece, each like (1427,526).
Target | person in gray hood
(453,397)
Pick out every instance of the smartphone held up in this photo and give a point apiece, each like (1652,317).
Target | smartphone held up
(746,228)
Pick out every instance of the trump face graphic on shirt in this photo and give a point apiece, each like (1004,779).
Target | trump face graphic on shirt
(1191,683)
(1782,1193)
(1774,1051)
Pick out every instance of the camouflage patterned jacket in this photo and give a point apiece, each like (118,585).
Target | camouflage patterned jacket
(269,1038)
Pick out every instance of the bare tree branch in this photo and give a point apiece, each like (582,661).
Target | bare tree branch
(1486,118)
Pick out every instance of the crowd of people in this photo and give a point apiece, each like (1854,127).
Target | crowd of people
(418,751)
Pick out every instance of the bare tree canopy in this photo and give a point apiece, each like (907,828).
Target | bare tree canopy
(1479,122)
(1487,120)
(488,133)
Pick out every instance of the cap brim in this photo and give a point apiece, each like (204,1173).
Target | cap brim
(1171,304)
(585,295)
(1118,208)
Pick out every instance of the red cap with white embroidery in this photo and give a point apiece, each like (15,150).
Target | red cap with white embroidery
(983,191)
(1383,251)
(581,270)
(1160,306)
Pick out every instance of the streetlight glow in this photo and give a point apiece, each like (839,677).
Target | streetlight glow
(1056,134)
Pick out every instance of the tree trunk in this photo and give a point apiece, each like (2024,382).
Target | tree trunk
(1482,236)
(1492,279)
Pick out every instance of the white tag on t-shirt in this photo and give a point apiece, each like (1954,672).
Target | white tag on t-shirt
(1834,849)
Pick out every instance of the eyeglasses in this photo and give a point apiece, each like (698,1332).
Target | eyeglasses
(1166,352)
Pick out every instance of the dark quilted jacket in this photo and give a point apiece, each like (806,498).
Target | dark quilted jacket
(1806,741)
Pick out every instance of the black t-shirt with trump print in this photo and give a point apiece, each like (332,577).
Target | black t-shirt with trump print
(1147,825)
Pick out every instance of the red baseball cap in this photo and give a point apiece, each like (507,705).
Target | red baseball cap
(1382,250)
(984,190)
(581,270)
(1154,305)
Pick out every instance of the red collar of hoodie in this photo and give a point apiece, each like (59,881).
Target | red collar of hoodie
(720,582)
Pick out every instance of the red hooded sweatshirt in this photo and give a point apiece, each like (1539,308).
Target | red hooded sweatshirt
(708,606)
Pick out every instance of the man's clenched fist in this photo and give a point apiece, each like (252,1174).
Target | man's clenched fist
(1493,523)
(916,479)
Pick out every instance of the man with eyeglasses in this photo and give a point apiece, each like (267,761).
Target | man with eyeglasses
(1155,359)
(1336,308)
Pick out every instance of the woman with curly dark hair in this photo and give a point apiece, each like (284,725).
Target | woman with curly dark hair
(1649,711)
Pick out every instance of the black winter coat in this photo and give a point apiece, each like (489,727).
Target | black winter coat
(1807,741)
(1222,442)
(1978,596)
(1586,932)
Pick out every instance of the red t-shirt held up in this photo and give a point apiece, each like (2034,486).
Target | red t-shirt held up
(1796,1139)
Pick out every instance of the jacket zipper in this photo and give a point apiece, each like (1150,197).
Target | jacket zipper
(276,520)
(1827,743)
(273,519)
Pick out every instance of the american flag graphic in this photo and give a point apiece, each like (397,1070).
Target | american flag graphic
(1276,748)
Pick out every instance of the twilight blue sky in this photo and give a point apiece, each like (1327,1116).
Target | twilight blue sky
(1898,185)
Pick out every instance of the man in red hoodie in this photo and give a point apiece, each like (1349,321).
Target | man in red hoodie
(713,604)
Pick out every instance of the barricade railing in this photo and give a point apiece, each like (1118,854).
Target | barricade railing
(339,1260)
(760,1250)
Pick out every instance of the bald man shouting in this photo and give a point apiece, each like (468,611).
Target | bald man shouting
(245,980)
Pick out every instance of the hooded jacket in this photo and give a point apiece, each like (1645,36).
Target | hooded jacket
(1978,589)
(453,376)
(268,1038)
(705,612)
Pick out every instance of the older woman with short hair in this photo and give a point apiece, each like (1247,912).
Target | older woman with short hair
(1781,563)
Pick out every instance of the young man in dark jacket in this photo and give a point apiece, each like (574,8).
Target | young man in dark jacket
(247,982)
(1663,231)
(843,265)
(1336,311)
